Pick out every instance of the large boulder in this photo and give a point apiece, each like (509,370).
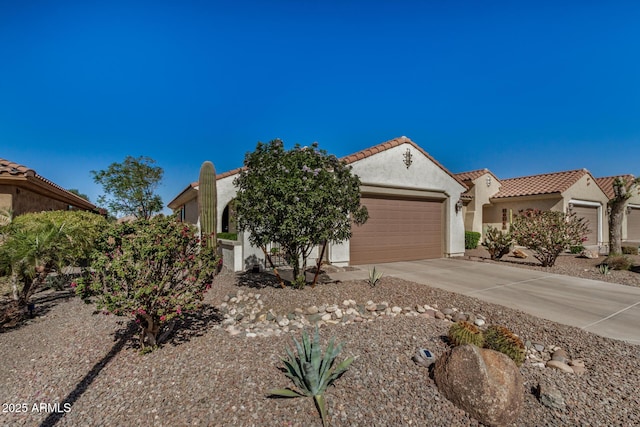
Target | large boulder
(484,383)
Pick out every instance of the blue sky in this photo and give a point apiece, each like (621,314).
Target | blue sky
(517,87)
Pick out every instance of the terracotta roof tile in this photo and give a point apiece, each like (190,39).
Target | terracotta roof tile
(11,168)
(606,183)
(228,173)
(471,175)
(548,183)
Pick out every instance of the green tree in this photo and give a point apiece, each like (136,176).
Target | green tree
(151,270)
(130,186)
(298,198)
(623,189)
(548,233)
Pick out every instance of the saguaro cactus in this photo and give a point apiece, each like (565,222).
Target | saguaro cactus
(207,204)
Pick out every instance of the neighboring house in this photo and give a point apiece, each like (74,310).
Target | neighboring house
(482,185)
(501,200)
(414,206)
(631,218)
(22,190)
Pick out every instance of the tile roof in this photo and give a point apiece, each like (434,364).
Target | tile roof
(395,143)
(472,175)
(606,183)
(9,168)
(548,183)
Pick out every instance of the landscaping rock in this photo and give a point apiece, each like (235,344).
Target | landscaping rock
(519,254)
(486,384)
(550,396)
(561,366)
(587,253)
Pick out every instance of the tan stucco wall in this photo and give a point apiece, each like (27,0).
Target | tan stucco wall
(481,193)
(585,189)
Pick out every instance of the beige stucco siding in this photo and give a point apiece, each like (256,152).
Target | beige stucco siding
(481,193)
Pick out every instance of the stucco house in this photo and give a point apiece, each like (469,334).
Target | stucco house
(631,218)
(496,202)
(22,190)
(414,204)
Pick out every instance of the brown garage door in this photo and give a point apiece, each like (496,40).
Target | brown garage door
(591,216)
(633,224)
(397,230)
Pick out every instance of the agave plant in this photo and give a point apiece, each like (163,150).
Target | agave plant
(374,276)
(311,372)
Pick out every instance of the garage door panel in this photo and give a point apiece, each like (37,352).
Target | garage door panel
(397,230)
(590,214)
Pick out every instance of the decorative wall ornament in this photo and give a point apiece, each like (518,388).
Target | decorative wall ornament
(408,158)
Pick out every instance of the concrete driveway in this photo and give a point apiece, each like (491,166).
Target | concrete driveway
(603,308)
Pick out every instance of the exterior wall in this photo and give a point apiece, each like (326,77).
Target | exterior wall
(226,193)
(6,196)
(25,201)
(492,214)
(386,169)
(481,193)
(191,211)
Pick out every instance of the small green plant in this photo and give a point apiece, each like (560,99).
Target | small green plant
(497,243)
(461,333)
(228,236)
(299,282)
(617,262)
(577,249)
(603,269)
(374,277)
(311,372)
(630,250)
(501,339)
(471,239)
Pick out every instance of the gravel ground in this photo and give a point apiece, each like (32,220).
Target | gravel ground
(569,264)
(204,376)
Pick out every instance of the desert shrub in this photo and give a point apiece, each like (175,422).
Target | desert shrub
(576,249)
(471,239)
(500,338)
(497,243)
(548,233)
(151,270)
(630,250)
(36,244)
(461,333)
(617,262)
